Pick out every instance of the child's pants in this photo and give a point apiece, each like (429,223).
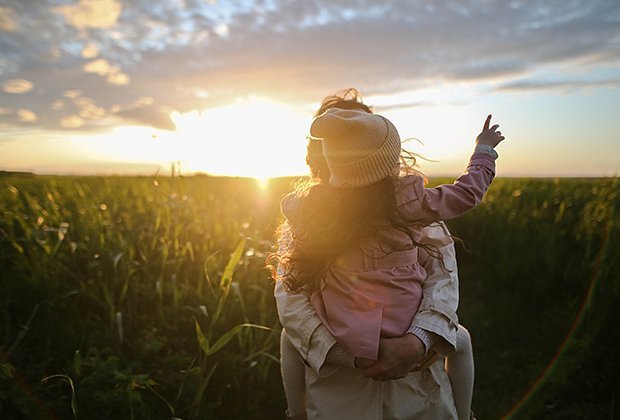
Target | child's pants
(460,368)
(293,377)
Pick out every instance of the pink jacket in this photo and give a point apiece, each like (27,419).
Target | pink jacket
(367,294)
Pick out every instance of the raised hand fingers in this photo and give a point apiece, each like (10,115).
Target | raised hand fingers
(490,134)
(487,122)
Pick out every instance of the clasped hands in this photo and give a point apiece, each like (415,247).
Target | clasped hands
(397,357)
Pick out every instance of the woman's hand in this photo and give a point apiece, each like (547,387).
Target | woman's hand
(364,363)
(397,357)
(489,136)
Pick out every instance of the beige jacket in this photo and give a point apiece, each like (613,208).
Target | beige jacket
(336,392)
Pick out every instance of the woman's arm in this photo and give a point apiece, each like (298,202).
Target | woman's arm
(303,326)
(440,292)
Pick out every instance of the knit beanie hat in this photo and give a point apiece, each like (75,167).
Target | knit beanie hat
(360,148)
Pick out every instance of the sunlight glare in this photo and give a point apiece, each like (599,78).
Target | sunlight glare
(262,182)
(253,137)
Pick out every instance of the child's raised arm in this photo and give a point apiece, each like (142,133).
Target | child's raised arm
(449,201)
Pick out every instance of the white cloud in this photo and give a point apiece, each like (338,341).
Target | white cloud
(88,109)
(111,73)
(143,101)
(222,30)
(26,115)
(7,19)
(91,13)
(90,51)
(100,67)
(117,78)
(72,121)
(17,86)
(73,93)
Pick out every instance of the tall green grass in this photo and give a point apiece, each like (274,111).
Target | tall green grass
(539,290)
(148,298)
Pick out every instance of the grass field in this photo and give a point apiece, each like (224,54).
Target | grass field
(147,298)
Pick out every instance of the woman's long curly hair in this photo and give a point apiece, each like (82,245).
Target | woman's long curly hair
(329,222)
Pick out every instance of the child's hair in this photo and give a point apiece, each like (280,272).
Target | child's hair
(332,221)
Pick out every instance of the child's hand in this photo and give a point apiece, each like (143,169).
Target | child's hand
(363,363)
(489,136)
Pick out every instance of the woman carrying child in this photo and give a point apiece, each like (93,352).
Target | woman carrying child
(362,252)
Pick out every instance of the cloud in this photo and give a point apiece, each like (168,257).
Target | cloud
(88,109)
(153,116)
(73,93)
(57,105)
(111,73)
(26,115)
(72,121)
(7,19)
(561,85)
(175,52)
(17,86)
(90,51)
(401,46)
(144,110)
(407,105)
(222,30)
(91,13)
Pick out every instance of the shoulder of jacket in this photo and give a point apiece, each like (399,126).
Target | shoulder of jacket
(289,205)
(407,188)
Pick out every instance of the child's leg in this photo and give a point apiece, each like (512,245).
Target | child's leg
(293,378)
(460,368)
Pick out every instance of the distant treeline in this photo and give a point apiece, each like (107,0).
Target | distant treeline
(16,173)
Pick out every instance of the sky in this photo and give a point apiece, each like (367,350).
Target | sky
(229,87)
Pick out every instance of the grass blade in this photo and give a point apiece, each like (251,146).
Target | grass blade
(202,339)
(73,397)
(229,335)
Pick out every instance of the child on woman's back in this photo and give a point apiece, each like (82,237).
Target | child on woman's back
(356,241)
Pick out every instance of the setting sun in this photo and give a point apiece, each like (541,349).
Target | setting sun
(252,137)
(262,182)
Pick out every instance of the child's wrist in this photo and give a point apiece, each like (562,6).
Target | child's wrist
(486,149)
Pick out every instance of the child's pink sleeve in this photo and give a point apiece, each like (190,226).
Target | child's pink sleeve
(449,201)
